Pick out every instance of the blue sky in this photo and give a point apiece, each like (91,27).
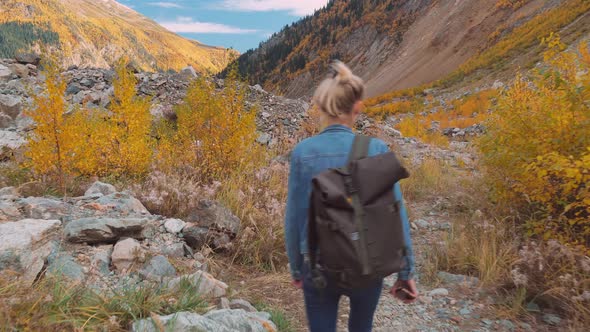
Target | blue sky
(241,24)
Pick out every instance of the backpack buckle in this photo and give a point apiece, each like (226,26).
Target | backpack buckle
(349,185)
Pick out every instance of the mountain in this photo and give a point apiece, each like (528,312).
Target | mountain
(95,33)
(398,44)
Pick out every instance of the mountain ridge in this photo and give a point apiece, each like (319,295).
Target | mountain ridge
(97,33)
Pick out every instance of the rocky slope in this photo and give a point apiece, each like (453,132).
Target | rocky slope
(91,33)
(93,87)
(393,44)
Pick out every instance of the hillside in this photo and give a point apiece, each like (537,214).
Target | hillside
(400,44)
(96,33)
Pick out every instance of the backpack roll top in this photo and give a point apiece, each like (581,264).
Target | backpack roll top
(355,228)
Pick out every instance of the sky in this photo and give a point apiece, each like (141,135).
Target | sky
(239,24)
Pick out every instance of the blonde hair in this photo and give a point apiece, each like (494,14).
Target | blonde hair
(337,94)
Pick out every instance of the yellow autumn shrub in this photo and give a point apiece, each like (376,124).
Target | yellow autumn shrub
(536,150)
(50,144)
(215,132)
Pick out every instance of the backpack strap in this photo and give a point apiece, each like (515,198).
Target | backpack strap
(360,149)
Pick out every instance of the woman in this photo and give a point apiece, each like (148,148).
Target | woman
(339,98)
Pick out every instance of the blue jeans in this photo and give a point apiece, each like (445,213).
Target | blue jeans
(322,305)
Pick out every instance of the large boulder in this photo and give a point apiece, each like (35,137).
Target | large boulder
(28,58)
(9,211)
(11,140)
(10,105)
(104,230)
(125,254)
(197,237)
(206,284)
(225,320)
(19,70)
(26,244)
(100,189)
(213,215)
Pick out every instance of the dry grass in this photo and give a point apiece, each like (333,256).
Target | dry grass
(431,178)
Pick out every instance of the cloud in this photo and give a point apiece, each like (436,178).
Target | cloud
(165,4)
(187,25)
(294,7)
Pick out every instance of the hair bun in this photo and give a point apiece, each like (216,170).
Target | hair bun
(342,73)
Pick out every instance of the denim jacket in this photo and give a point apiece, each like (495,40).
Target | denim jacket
(329,149)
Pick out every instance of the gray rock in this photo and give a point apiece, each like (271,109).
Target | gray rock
(102,259)
(100,189)
(28,243)
(551,319)
(19,70)
(439,292)
(487,322)
(195,236)
(73,89)
(65,266)
(240,320)
(9,192)
(421,223)
(11,140)
(174,226)
(103,230)
(173,250)
(213,215)
(180,322)
(10,105)
(124,204)
(87,82)
(507,324)
(264,138)
(28,58)
(5,74)
(242,304)
(6,121)
(457,279)
(157,268)
(206,284)
(533,307)
(9,211)
(125,254)
(44,208)
(189,72)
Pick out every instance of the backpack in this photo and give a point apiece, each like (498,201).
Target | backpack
(354,220)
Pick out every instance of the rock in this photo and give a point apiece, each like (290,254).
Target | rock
(180,322)
(25,244)
(421,223)
(125,254)
(100,189)
(242,304)
(10,105)
(223,303)
(551,319)
(392,132)
(9,211)
(9,192)
(65,266)
(533,307)
(5,74)
(86,82)
(498,85)
(102,259)
(10,140)
(487,322)
(28,58)
(213,215)
(44,208)
(103,230)
(157,268)
(124,204)
(19,70)
(464,312)
(439,292)
(174,226)
(507,324)
(195,236)
(73,89)
(173,250)
(240,320)
(188,72)
(264,138)
(6,121)
(206,284)
(457,279)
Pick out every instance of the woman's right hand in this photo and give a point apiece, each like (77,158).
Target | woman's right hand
(298,284)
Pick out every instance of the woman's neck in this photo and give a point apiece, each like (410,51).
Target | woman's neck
(344,120)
